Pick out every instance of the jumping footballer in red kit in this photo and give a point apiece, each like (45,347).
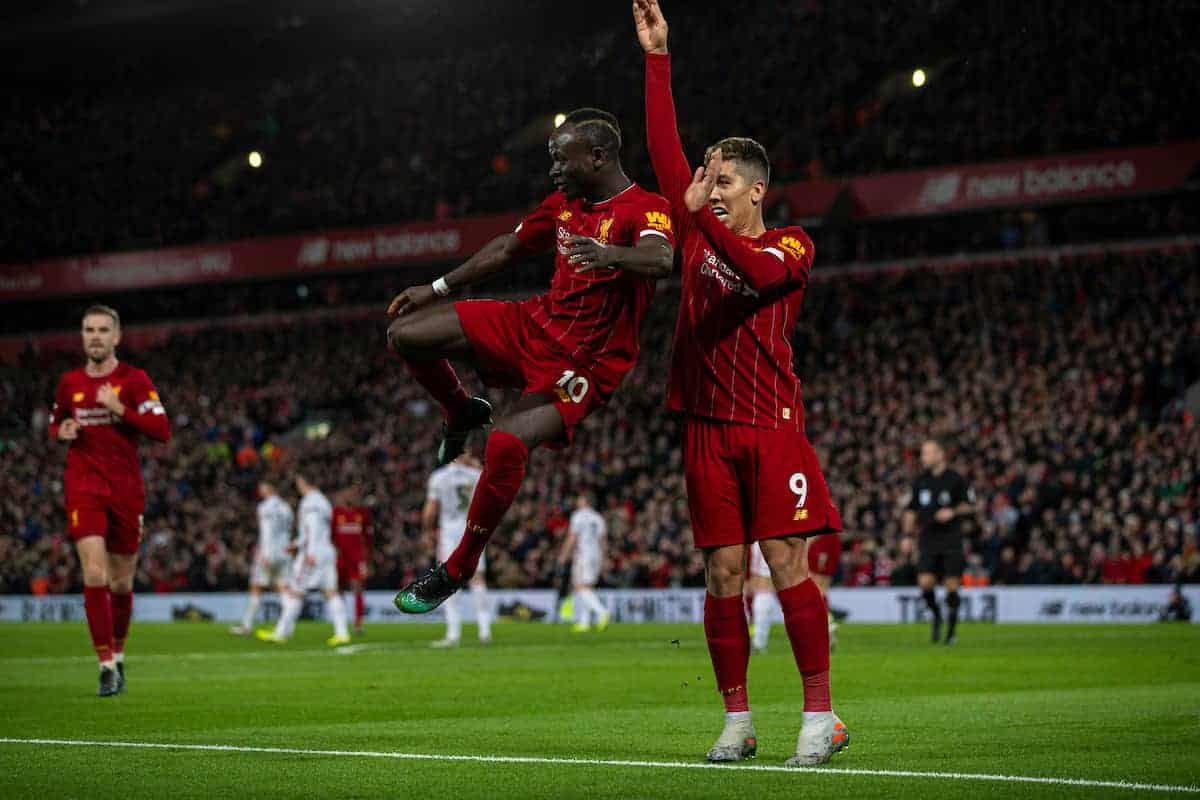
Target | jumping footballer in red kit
(354,543)
(101,411)
(566,351)
(751,474)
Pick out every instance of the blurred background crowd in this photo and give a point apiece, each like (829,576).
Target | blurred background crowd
(1061,384)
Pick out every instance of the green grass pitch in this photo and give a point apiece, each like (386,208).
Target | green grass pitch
(1092,703)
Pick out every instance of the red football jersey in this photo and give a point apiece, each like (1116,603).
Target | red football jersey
(595,315)
(732,357)
(352,530)
(105,453)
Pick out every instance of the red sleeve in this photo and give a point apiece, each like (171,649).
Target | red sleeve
(61,409)
(145,412)
(651,218)
(662,135)
(786,261)
(537,231)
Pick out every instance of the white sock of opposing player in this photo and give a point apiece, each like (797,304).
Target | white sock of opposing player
(251,610)
(580,610)
(337,615)
(764,604)
(483,613)
(589,598)
(453,618)
(288,614)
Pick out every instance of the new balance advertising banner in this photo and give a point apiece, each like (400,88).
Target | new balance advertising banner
(256,258)
(1101,173)
(1070,604)
(1027,182)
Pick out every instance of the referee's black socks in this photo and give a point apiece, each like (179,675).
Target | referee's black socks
(952,601)
(931,601)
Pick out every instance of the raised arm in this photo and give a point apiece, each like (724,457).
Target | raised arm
(662,134)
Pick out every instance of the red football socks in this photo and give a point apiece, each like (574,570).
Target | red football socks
(99,619)
(122,611)
(729,647)
(441,381)
(359,608)
(503,470)
(806,619)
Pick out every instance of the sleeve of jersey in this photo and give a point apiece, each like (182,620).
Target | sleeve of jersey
(62,399)
(787,262)
(536,231)
(662,134)
(654,219)
(145,412)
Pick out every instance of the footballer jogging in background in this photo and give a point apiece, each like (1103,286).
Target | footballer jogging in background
(751,473)
(584,547)
(271,557)
(447,498)
(101,411)
(354,542)
(566,351)
(314,566)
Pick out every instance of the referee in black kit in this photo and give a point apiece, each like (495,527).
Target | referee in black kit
(940,498)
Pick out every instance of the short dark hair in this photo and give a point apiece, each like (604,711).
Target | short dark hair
(600,128)
(103,310)
(746,152)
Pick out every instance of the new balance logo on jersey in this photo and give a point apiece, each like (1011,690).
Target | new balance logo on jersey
(564,216)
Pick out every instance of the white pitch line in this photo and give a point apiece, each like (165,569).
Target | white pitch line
(601,762)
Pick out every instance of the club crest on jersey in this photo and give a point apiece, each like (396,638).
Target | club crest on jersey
(792,246)
(605,227)
(658,220)
(564,215)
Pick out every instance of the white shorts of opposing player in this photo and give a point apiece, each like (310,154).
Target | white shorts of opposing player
(266,574)
(479,596)
(588,610)
(318,573)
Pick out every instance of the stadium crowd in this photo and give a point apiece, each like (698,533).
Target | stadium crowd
(359,135)
(1061,382)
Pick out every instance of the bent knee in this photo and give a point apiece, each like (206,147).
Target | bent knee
(398,336)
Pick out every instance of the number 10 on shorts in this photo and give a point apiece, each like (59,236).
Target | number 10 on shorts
(798,483)
(572,387)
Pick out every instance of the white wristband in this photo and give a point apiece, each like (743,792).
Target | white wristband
(441,288)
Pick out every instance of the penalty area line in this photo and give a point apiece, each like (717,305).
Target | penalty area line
(600,762)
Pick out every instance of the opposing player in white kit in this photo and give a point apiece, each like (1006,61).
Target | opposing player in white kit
(446,502)
(314,567)
(275,518)
(584,546)
(822,555)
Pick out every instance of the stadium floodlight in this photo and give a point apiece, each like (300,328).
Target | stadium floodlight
(255,159)
(559,119)
(918,77)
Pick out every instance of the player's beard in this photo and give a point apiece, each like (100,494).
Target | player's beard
(98,355)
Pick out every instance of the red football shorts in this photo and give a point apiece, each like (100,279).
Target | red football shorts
(94,508)
(824,552)
(513,352)
(745,484)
